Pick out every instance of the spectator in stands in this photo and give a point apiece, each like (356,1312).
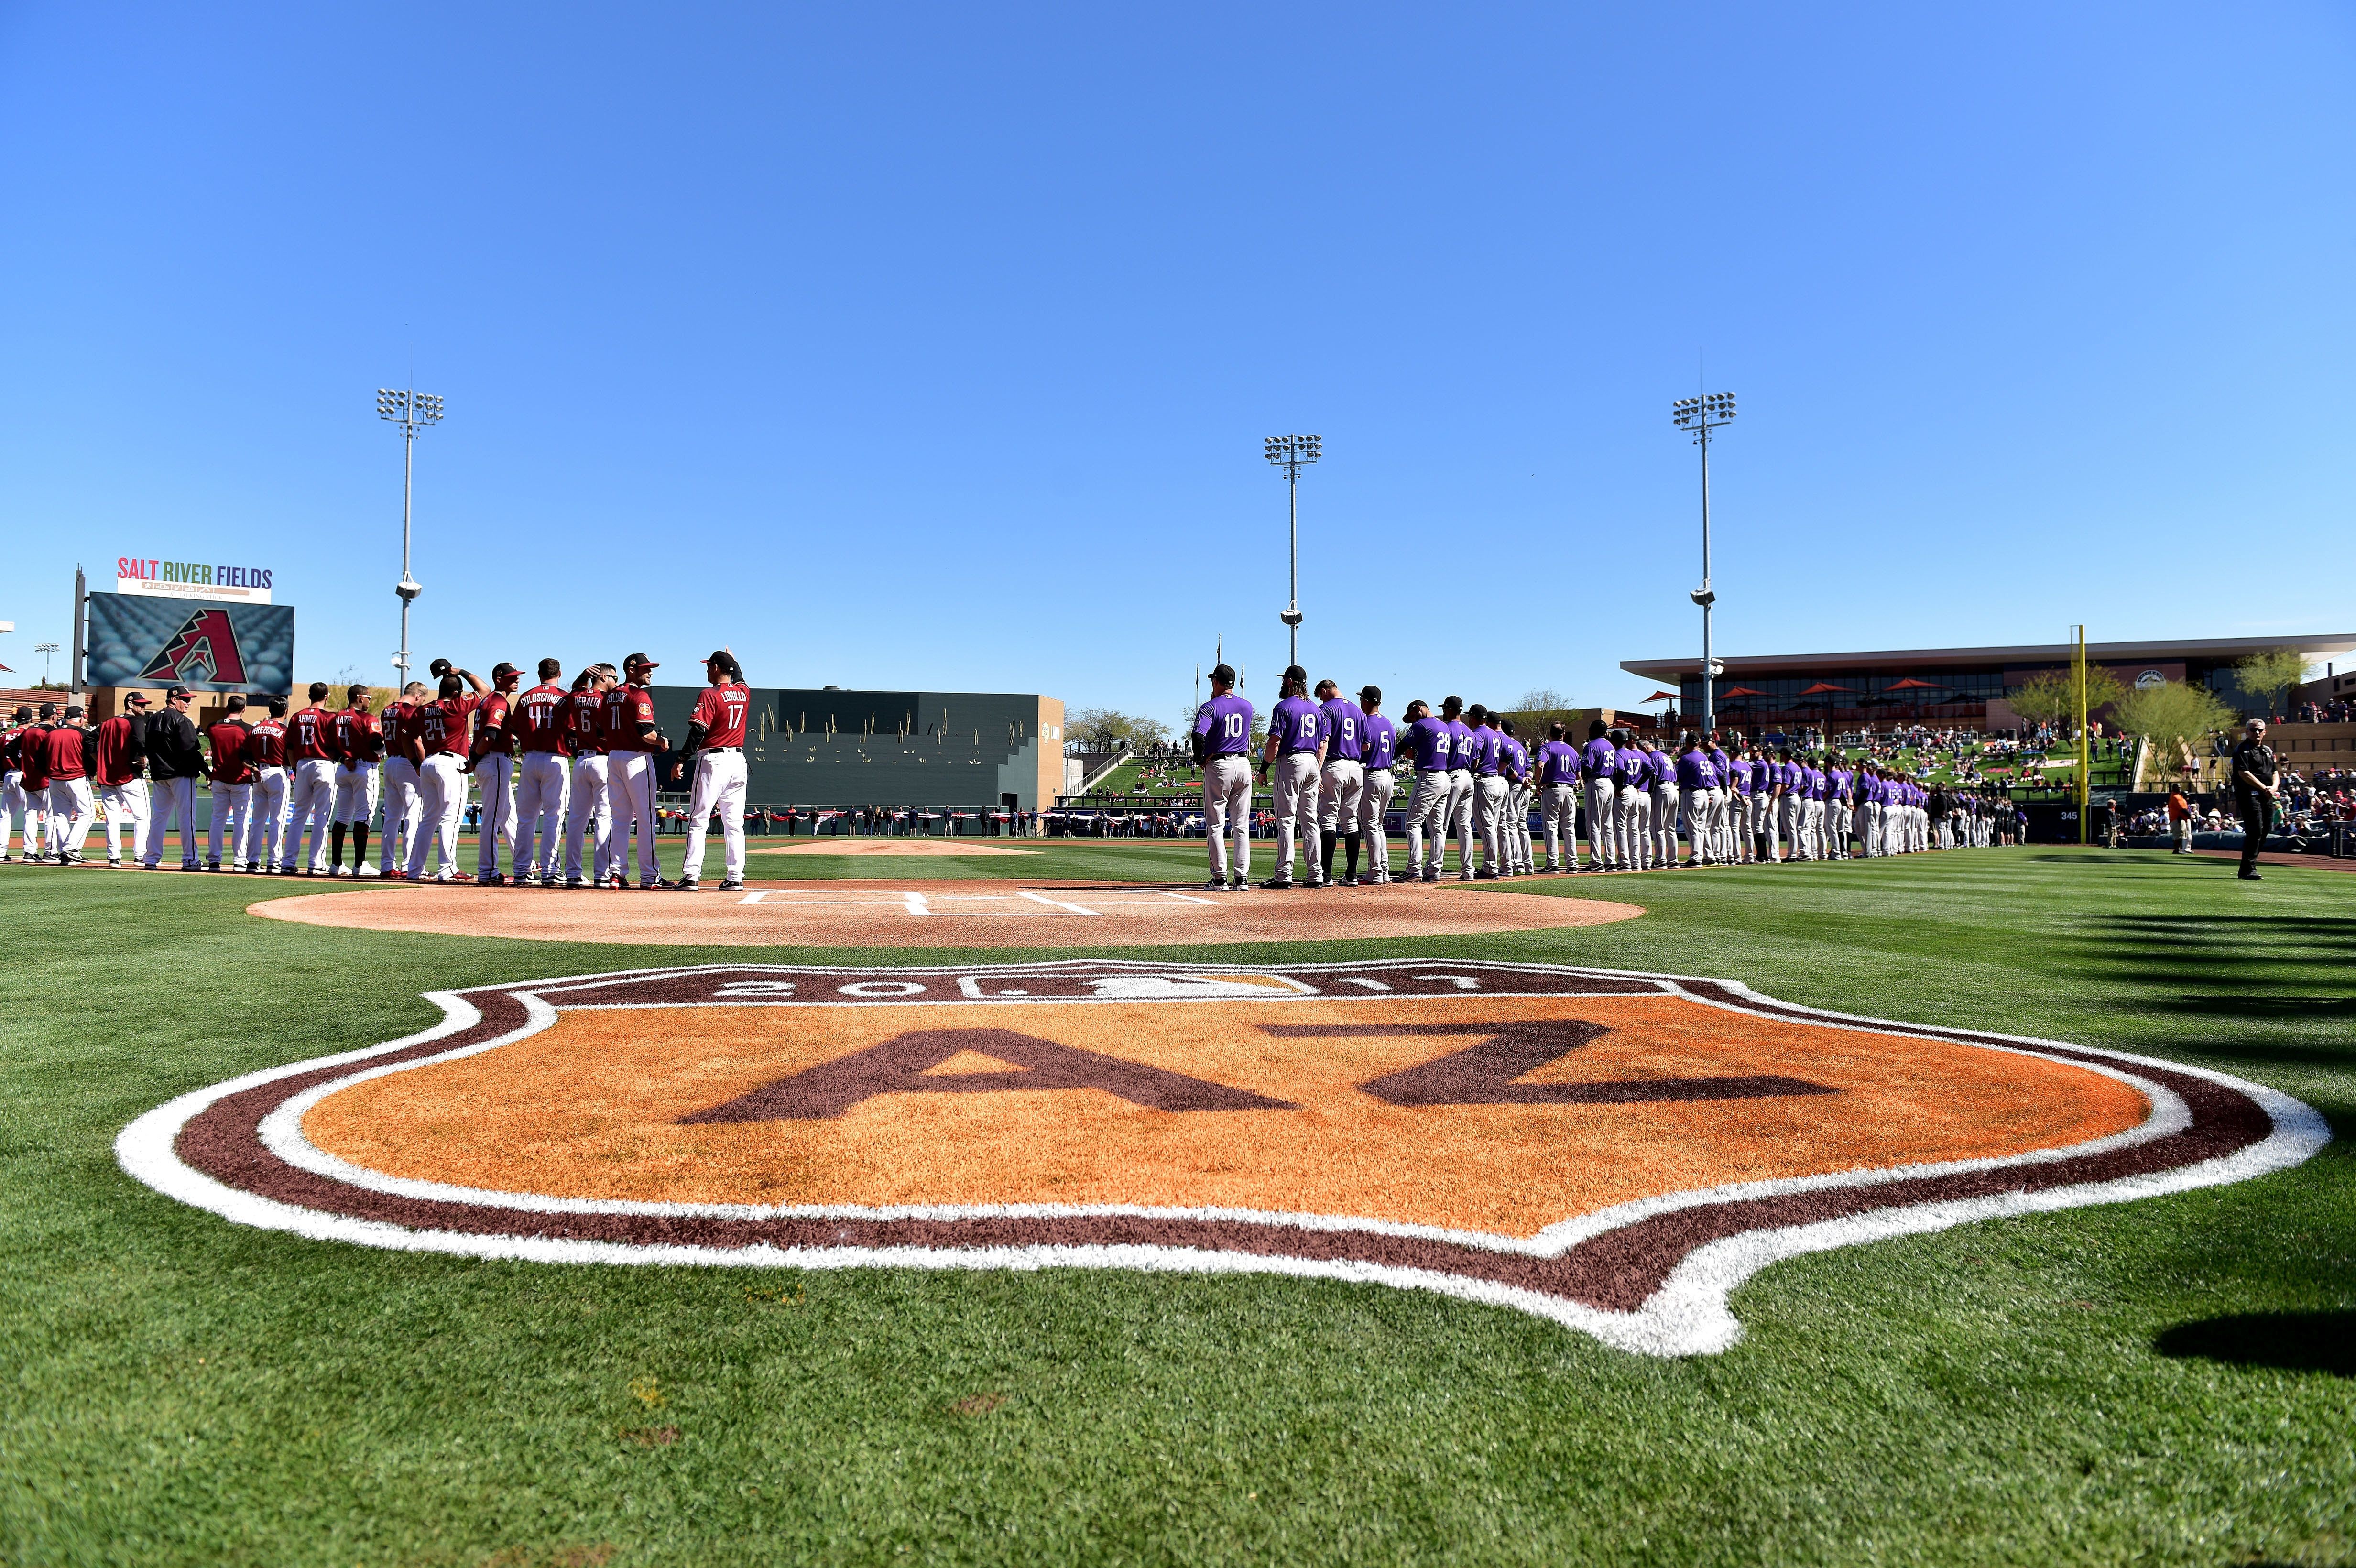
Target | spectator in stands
(2180,819)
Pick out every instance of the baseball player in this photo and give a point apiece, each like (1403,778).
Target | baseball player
(1222,742)
(403,808)
(1295,758)
(69,798)
(230,786)
(265,822)
(715,751)
(491,759)
(120,746)
(1427,743)
(541,776)
(1485,761)
(1514,768)
(1665,805)
(1633,802)
(436,736)
(1558,795)
(174,762)
(33,760)
(1724,845)
(582,719)
(1378,752)
(1599,767)
(310,784)
(628,716)
(13,799)
(1698,786)
(356,742)
(1342,788)
(1458,817)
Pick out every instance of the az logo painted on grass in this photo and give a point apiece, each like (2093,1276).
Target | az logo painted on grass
(1612,1151)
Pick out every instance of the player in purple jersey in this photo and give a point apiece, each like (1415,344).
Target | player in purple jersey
(1722,827)
(1343,787)
(1599,765)
(1222,739)
(1632,802)
(1461,789)
(1427,744)
(1558,786)
(1485,759)
(1697,784)
(1762,806)
(1295,759)
(1665,797)
(1382,741)
(1519,790)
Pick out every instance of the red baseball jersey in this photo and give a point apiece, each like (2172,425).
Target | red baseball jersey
(582,720)
(65,753)
(267,748)
(307,738)
(33,754)
(231,764)
(720,710)
(626,708)
(353,736)
(434,727)
(491,736)
(118,758)
(9,739)
(534,719)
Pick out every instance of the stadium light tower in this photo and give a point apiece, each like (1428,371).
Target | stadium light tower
(1291,453)
(1701,415)
(413,410)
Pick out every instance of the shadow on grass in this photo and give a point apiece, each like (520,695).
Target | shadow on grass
(2290,1341)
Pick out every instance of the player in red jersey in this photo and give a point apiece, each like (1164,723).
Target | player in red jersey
(491,759)
(582,719)
(534,719)
(402,807)
(121,744)
(357,744)
(265,822)
(70,798)
(33,762)
(631,742)
(715,753)
(232,782)
(311,782)
(435,738)
(12,798)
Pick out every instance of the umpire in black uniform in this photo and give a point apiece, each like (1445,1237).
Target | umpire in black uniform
(2256,793)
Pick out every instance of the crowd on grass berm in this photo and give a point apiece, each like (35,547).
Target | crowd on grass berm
(566,775)
(1334,765)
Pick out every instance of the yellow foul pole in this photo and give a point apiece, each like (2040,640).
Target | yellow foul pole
(2085,747)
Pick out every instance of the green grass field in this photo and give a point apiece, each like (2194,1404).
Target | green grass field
(2167,1382)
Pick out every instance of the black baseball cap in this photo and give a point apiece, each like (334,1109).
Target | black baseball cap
(1294,672)
(1370,694)
(1225,674)
(176,694)
(74,712)
(48,710)
(502,670)
(639,661)
(136,699)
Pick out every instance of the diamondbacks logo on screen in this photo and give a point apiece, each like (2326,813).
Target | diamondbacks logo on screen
(1613,1151)
(204,649)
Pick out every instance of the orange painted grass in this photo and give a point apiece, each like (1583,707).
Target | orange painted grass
(590,1108)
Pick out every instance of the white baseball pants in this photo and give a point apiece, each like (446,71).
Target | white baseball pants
(539,792)
(310,807)
(70,815)
(1295,780)
(719,786)
(1427,816)
(442,805)
(175,806)
(592,809)
(495,785)
(1702,821)
(13,800)
(404,811)
(630,785)
(1632,810)
(1489,793)
(1227,811)
(265,826)
(126,815)
(1373,810)
(1603,822)
(1558,809)
(355,791)
(1459,821)
(230,806)
(1343,793)
(1665,825)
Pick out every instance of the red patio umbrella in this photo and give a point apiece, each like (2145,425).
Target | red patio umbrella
(1821,687)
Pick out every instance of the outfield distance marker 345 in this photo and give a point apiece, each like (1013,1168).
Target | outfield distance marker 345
(1610,1150)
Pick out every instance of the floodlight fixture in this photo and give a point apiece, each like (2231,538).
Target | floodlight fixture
(413,411)
(1291,453)
(1701,415)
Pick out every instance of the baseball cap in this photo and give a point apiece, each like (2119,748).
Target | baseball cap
(1370,694)
(1225,672)
(1294,672)
(175,693)
(502,670)
(639,661)
(74,712)
(136,699)
(48,710)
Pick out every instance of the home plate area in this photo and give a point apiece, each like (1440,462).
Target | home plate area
(972,912)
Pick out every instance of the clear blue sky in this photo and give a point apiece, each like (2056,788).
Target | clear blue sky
(932,346)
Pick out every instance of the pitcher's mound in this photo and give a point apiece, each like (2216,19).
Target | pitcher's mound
(1031,913)
(895,847)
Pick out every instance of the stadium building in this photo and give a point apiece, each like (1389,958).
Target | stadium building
(1964,687)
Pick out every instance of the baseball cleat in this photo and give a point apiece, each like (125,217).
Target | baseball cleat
(365,872)
(212,865)
(1279,884)
(115,861)
(1216,885)
(573,881)
(733,885)
(1240,885)
(491,880)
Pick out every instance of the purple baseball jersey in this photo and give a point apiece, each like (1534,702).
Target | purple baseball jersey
(1296,725)
(1557,763)
(1227,721)
(1428,742)
(1345,728)
(1381,744)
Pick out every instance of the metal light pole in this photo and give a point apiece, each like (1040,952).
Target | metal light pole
(45,650)
(1291,453)
(1701,415)
(413,410)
